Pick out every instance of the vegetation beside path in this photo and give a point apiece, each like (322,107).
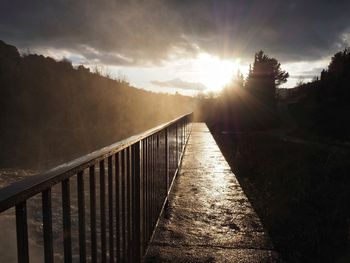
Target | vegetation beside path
(300,192)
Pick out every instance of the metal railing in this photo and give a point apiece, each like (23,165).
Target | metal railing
(131,180)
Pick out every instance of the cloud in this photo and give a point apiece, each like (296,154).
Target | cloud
(102,57)
(308,74)
(133,32)
(179,84)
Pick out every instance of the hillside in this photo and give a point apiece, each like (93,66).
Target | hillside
(52,112)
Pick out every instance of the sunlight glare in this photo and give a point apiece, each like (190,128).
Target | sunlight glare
(214,72)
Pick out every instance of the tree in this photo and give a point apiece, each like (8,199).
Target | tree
(336,79)
(340,64)
(263,78)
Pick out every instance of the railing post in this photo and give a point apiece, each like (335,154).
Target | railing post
(123,206)
(183,135)
(81,216)
(93,214)
(187,127)
(177,146)
(128,202)
(167,160)
(47,225)
(103,212)
(22,233)
(117,207)
(110,209)
(138,208)
(67,238)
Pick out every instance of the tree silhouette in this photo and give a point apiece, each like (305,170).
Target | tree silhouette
(340,64)
(263,78)
(335,80)
(52,111)
(322,106)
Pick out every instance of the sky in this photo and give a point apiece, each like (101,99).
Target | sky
(187,46)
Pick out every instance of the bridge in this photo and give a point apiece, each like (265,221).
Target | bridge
(166,195)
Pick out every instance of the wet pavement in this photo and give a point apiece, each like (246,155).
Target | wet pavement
(208,218)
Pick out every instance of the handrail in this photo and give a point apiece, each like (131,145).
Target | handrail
(22,190)
(135,177)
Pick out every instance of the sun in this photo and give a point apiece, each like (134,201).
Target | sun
(215,72)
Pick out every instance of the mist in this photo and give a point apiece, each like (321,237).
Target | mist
(53,112)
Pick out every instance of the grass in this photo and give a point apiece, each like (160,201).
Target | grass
(300,192)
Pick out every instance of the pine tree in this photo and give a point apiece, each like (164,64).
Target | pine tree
(263,78)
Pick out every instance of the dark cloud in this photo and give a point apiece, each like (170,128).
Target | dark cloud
(142,32)
(180,84)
